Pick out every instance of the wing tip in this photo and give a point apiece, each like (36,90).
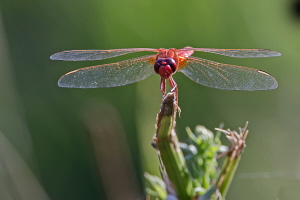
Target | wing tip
(277,53)
(64,56)
(61,83)
(273,81)
(54,57)
(273,53)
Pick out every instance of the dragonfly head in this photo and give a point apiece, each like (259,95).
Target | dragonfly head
(165,67)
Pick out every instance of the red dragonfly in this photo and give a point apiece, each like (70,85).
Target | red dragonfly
(167,62)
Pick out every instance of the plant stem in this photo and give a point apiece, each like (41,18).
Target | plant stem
(238,143)
(167,143)
(227,173)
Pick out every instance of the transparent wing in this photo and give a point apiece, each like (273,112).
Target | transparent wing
(227,77)
(109,75)
(84,55)
(238,53)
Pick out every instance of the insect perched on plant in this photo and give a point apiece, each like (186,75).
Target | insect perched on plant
(167,62)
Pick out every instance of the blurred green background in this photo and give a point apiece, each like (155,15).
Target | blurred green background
(59,143)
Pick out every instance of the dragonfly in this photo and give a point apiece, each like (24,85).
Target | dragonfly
(166,62)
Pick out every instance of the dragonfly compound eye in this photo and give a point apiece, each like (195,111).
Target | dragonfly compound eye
(171,62)
(165,67)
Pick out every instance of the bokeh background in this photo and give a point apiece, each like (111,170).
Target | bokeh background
(59,143)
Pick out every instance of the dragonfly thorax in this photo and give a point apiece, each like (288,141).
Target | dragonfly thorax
(165,67)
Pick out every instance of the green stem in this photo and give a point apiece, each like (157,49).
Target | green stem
(168,146)
(227,173)
(238,143)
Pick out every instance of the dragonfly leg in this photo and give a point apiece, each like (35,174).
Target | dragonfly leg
(174,87)
(163,86)
(175,90)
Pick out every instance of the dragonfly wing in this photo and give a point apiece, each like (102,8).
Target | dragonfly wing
(238,53)
(84,55)
(227,77)
(109,75)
